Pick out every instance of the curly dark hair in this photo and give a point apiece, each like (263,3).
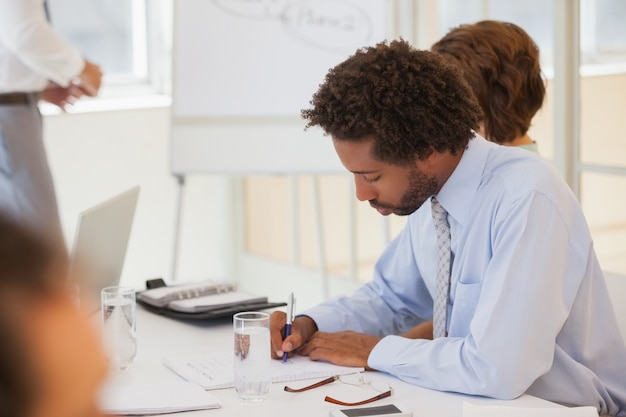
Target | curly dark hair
(500,62)
(411,101)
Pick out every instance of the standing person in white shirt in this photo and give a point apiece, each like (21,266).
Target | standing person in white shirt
(35,63)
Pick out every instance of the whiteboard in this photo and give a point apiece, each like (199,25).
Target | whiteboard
(243,70)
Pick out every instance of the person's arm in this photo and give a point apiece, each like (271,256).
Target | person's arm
(521,303)
(25,31)
(342,348)
(86,83)
(421,331)
(395,300)
(89,79)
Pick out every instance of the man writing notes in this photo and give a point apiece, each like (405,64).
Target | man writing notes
(496,250)
(34,63)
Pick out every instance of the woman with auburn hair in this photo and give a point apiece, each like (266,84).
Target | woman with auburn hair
(500,62)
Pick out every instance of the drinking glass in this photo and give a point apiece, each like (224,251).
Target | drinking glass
(119,325)
(252,355)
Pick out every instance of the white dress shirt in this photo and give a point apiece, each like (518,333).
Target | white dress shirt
(31,52)
(528,310)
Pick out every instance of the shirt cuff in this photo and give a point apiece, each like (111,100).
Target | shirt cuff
(73,68)
(389,348)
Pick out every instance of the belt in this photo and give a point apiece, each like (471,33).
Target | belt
(16,99)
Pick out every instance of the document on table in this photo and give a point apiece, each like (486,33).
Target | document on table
(150,399)
(473,410)
(215,370)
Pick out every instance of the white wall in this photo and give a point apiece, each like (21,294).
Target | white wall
(94,155)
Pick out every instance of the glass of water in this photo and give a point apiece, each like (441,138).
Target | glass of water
(252,355)
(119,325)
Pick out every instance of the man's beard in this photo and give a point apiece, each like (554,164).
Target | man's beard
(421,187)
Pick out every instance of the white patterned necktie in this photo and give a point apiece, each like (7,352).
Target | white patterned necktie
(440,307)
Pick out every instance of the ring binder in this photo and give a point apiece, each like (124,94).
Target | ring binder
(200,300)
(164,295)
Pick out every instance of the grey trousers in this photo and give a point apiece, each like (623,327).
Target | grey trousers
(26,187)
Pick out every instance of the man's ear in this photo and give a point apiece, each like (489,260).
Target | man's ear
(427,157)
(433,162)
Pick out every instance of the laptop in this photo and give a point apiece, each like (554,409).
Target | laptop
(99,246)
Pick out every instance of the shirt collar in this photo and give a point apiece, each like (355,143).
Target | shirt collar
(459,190)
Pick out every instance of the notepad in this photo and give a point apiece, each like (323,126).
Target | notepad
(156,399)
(215,370)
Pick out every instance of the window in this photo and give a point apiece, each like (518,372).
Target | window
(603,39)
(127,38)
(603,34)
(535,16)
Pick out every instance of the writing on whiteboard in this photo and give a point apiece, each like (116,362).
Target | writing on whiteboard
(336,25)
(262,57)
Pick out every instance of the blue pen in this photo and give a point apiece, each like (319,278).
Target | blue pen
(291,305)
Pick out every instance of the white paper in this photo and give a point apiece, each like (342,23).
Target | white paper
(215,370)
(473,410)
(156,399)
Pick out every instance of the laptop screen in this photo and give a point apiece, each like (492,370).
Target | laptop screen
(99,246)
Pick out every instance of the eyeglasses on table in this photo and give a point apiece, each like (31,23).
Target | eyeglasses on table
(361,381)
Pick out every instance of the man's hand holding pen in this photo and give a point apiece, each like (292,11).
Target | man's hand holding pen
(345,348)
(302,329)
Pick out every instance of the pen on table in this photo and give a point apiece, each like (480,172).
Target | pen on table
(290,309)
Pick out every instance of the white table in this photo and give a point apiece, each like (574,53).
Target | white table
(158,337)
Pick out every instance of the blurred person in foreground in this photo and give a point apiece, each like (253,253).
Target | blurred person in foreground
(51,360)
(526,309)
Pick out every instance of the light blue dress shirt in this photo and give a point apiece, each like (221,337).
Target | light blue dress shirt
(529,310)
